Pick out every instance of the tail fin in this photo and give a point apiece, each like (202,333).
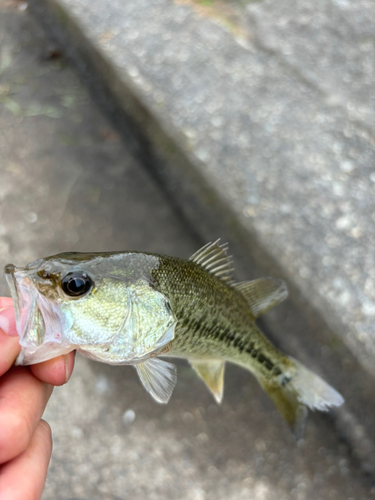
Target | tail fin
(297,390)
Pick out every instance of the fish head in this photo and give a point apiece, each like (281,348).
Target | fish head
(103,305)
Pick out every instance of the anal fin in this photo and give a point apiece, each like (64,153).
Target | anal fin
(158,378)
(212,373)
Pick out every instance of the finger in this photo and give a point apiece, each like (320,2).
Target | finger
(9,349)
(7,316)
(56,371)
(9,346)
(22,402)
(23,477)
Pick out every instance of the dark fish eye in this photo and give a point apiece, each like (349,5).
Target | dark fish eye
(76,284)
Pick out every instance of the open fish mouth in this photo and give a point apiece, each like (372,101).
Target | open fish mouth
(35,346)
(39,324)
(29,320)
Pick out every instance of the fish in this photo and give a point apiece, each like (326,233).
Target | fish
(132,308)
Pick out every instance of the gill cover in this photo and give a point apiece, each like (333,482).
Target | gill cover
(150,321)
(145,333)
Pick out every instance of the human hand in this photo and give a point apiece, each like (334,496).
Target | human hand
(25,439)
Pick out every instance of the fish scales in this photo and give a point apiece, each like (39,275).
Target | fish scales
(134,308)
(214,320)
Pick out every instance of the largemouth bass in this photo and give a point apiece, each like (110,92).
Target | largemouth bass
(132,307)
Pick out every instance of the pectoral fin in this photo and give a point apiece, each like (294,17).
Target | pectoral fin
(212,373)
(158,378)
(262,294)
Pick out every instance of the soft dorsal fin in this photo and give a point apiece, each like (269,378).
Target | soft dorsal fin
(262,294)
(158,378)
(211,371)
(213,257)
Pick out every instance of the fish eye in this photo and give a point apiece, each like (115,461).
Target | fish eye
(76,284)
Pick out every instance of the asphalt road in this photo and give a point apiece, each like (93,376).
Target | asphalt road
(67,183)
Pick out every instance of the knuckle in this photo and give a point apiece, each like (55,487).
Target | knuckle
(16,435)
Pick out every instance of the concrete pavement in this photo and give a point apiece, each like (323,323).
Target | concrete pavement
(67,182)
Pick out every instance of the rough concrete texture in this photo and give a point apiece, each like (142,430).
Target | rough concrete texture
(330,44)
(262,112)
(66,182)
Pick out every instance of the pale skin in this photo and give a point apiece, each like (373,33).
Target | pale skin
(25,439)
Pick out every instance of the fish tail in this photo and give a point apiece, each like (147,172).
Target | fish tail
(297,390)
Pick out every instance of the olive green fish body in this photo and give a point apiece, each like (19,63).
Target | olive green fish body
(214,319)
(133,307)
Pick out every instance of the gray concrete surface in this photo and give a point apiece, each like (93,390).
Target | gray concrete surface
(257,120)
(67,182)
(330,44)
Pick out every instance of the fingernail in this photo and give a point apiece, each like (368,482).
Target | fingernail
(69,364)
(8,321)
(67,374)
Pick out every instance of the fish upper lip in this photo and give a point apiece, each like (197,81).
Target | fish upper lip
(15,278)
(9,273)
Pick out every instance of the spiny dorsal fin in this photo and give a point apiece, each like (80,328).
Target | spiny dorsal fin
(213,257)
(158,378)
(262,294)
(212,373)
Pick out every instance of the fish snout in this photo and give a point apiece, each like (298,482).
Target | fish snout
(24,298)
(9,273)
(10,269)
